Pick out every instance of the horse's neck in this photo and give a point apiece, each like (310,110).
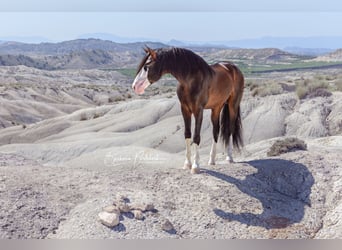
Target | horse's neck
(168,68)
(172,68)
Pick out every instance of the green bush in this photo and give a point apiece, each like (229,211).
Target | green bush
(287,145)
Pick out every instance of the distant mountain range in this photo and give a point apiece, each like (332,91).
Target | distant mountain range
(71,46)
(308,51)
(317,45)
(96,53)
(75,54)
(300,45)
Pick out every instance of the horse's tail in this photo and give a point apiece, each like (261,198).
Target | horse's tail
(230,127)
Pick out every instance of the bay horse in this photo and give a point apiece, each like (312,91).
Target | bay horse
(218,87)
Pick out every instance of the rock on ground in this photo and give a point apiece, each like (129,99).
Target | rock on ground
(109,219)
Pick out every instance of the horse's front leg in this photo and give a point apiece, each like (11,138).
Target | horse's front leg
(187,134)
(197,139)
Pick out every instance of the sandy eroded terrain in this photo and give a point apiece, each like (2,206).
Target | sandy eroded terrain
(61,168)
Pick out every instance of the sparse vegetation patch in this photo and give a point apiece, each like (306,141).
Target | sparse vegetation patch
(264,88)
(267,89)
(338,84)
(287,145)
(310,88)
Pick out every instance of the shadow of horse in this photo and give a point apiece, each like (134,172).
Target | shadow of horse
(283,187)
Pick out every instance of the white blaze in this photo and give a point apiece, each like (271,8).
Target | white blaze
(141,81)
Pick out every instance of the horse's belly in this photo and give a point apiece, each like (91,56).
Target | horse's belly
(213,102)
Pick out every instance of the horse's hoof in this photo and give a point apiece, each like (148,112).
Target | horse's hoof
(211,163)
(187,166)
(195,170)
(230,160)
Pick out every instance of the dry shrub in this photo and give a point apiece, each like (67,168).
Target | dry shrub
(117,98)
(287,145)
(97,115)
(338,85)
(319,92)
(288,87)
(249,83)
(312,88)
(266,89)
(330,78)
(319,77)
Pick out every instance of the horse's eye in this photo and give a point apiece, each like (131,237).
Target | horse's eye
(145,68)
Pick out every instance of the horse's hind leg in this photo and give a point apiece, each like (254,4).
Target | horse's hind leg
(230,150)
(197,139)
(233,106)
(215,119)
(187,134)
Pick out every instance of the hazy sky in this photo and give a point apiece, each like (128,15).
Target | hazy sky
(171,5)
(214,20)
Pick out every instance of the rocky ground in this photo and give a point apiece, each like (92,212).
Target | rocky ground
(57,174)
(296,195)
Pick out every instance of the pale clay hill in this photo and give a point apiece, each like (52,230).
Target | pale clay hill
(84,59)
(73,165)
(267,55)
(335,56)
(30,95)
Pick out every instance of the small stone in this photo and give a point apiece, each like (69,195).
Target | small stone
(121,198)
(109,219)
(138,214)
(149,207)
(124,207)
(143,207)
(167,226)
(112,209)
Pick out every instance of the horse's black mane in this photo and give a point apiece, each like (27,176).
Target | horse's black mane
(180,62)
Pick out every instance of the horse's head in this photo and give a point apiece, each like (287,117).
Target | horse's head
(149,71)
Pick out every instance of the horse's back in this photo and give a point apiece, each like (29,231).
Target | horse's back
(228,68)
(227,73)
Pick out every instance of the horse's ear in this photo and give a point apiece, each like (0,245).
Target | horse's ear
(150,51)
(146,49)
(153,54)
